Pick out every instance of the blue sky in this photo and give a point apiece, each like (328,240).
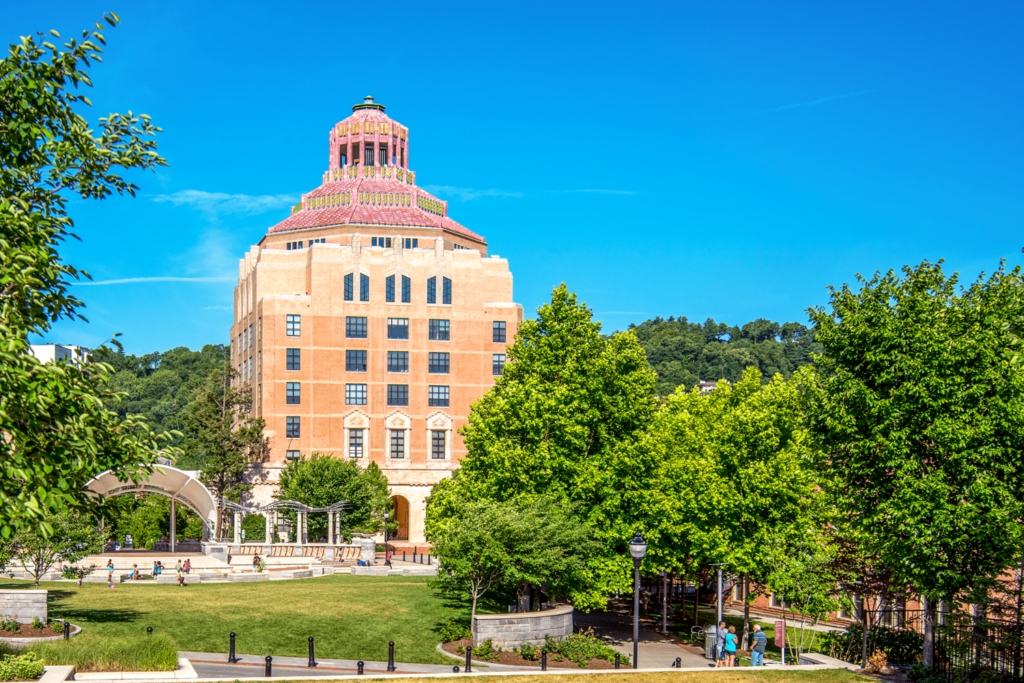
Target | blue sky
(726,159)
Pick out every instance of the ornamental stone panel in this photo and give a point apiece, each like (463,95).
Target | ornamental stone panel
(509,630)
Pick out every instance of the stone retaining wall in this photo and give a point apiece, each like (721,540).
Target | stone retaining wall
(508,630)
(23,605)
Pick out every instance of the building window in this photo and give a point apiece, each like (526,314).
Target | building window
(381,242)
(322,240)
(446,293)
(292,427)
(776,601)
(432,290)
(383,155)
(245,368)
(398,361)
(364,287)
(412,242)
(355,361)
(406,290)
(389,289)
(240,349)
(398,328)
(437,396)
(398,394)
(368,154)
(294,245)
(355,327)
(398,443)
(355,443)
(355,394)
(259,328)
(293,359)
(437,442)
(250,335)
(293,393)
(292,455)
(498,332)
(349,287)
(437,363)
(259,361)
(251,364)
(293,325)
(497,364)
(439,330)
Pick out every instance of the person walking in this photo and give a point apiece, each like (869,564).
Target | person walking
(730,648)
(110,565)
(81,575)
(387,558)
(181,574)
(188,566)
(720,633)
(760,644)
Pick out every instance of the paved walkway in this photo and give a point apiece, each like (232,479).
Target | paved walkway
(209,665)
(615,627)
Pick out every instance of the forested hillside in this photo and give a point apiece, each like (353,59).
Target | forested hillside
(160,385)
(683,353)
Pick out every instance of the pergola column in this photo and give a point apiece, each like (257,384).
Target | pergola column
(267,538)
(174,520)
(238,528)
(305,527)
(330,528)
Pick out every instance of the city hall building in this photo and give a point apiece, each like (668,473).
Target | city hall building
(368,322)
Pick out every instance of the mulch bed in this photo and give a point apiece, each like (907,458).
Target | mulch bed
(30,631)
(515,659)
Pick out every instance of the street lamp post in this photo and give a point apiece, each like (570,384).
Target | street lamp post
(718,611)
(664,603)
(637,548)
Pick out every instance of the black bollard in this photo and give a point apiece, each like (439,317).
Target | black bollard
(359,667)
(312,661)
(469,659)
(679,662)
(616,660)
(428,558)
(67,631)
(149,630)
(543,660)
(391,656)
(231,649)
(455,669)
(403,556)
(267,670)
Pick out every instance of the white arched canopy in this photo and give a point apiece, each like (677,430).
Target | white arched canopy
(170,482)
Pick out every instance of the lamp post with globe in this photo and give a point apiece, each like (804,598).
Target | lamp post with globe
(637,548)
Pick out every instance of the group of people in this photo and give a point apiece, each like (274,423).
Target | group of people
(258,563)
(726,642)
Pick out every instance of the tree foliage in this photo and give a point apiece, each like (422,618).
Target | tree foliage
(322,480)
(69,538)
(920,415)
(683,353)
(57,432)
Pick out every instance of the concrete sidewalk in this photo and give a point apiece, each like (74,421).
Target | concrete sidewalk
(215,665)
(615,627)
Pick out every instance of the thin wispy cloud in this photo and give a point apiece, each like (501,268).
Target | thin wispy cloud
(814,102)
(467,193)
(215,203)
(143,280)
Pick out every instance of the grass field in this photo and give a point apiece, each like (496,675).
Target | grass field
(711,676)
(351,617)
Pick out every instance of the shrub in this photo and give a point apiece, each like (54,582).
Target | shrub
(581,648)
(57,626)
(146,653)
(38,623)
(20,666)
(529,651)
(10,624)
(487,651)
(454,631)
(877,663)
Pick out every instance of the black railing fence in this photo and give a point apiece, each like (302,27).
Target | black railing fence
(968,647)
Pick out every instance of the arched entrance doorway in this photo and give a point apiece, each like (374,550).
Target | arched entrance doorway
(400,507)
(166,481)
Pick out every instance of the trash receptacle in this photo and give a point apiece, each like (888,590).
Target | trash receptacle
(710,637)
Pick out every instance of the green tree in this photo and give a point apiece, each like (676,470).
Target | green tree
(322,480)
(558,423)
(57,432)
(224,438)
(69,538)
(920,414)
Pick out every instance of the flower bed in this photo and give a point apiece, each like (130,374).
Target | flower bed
(578,651)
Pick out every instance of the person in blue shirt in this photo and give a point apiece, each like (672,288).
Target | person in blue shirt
(760,643)
(730,647)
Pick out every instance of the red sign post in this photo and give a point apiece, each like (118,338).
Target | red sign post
(780,637)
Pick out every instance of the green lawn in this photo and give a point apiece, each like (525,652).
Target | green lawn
(351,617)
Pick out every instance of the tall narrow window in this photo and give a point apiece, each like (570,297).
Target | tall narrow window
(438,396)
(437,443)
(292,427)
(259,361)
(398,328)
(398,394)
(497,363)
(293,325)
(293,393)
(383,155)
(437,363)
(398,361)
(250,335)
(355,360)
(406,290)
(389,289)
(446,295)
(293,359)
(368,156)
(432,290)
(349,287)
(398,443)
(498,331)
(355,443)
(355,394)
(355,327)
(439,330)
(364,287)
(251,366)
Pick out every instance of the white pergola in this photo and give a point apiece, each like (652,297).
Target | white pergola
(180,486)
(270,511)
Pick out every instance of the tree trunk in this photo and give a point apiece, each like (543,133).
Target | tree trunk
(696,602)
(746,612)
(472,613)
(929,632)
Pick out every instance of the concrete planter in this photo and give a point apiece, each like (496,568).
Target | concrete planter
(24,606)
(508,630)
(369,571)
(75,630)
(296,574)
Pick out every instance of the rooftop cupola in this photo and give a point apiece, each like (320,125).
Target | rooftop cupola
(368,103)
